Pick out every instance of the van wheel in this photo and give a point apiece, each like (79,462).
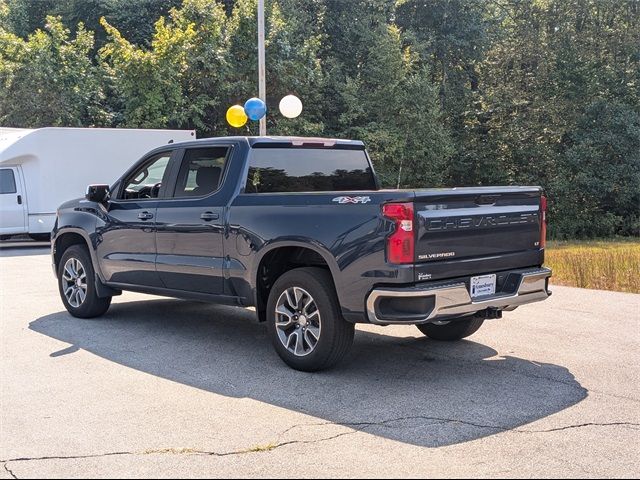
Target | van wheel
(453,330)
(304,320)
(76,282)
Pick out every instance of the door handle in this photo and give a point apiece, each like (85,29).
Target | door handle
(145,216)
(207,216)
(19,199)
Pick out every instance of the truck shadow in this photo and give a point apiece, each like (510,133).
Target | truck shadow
(411,390)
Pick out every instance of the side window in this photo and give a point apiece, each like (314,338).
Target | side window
(201,171)
(7,181)
(145,182)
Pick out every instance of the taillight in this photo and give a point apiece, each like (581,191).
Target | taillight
(400,244)
(543,221)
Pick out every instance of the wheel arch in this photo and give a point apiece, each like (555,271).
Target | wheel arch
(282,257)
(67,237)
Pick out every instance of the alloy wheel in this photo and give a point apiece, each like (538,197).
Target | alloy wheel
(74,282)
(298,321)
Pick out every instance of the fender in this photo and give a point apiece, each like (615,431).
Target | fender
(102,289)
(307,243)
(77,227)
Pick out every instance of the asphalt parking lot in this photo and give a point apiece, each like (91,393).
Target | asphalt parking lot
(169,388)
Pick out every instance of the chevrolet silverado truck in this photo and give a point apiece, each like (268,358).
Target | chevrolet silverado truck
(300,229)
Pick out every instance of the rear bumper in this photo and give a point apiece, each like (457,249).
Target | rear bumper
(441,300)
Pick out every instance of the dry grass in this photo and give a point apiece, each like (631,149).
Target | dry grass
(603,265)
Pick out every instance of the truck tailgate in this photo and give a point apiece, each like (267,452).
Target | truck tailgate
(469,231)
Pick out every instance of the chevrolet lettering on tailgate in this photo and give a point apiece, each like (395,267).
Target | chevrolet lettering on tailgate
(489,221)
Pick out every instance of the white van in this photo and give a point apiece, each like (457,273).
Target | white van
(42,168)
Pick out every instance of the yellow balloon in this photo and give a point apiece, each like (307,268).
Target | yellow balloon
(236,116)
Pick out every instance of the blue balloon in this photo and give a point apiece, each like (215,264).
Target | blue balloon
(255,108)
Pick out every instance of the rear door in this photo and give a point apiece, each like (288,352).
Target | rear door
(190,224)
(12,202)
(469,231)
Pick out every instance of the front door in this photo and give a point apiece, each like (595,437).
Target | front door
(190,224)
(12,202)
(126,245)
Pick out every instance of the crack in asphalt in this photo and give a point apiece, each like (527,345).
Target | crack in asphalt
(580,425)
(13,475)
(173,451)
(438,420)
(274,446)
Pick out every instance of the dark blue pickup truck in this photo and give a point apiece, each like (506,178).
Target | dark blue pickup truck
(300,229)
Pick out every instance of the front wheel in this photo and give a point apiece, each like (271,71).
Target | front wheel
(453,330)
(304,321)
(76,282)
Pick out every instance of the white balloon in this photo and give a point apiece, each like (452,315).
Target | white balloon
(290,106)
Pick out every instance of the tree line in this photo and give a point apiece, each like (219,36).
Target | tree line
(443,92)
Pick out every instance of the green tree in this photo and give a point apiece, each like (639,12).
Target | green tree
(597,191)
(444,92)
(549,63)
(135,19)
(23,17)
(201,61)
(146,85)
(450,38)
(381,95)
(49,79)
(292,65)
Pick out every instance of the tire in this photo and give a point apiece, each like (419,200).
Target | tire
(323,336)
(40,237)
(452,331)
(91,305)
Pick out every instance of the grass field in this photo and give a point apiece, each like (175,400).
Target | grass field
(604,265)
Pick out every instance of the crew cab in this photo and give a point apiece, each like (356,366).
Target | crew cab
(300,229)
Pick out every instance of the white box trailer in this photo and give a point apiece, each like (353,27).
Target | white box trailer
(42,168)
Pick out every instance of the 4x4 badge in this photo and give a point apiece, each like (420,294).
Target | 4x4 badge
(352,199)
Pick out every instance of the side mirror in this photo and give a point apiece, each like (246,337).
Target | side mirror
(97,193)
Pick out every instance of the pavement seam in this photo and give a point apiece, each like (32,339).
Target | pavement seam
(271,447)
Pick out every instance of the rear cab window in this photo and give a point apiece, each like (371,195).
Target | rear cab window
(201,171)
(281,170)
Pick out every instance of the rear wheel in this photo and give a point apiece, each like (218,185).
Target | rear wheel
(304,320)
(452,330)
(76,282)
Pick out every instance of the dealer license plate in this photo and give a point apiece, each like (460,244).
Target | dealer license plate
(482,285)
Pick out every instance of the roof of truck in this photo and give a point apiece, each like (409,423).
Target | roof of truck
(282,141)
(303,141)
(9,136)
